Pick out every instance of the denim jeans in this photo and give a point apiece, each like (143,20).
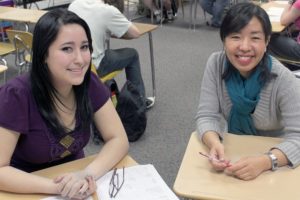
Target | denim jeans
(285,47)
(118,59)
(214,8)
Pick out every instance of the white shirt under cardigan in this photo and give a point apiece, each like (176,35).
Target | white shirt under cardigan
(277,113)
(103,20)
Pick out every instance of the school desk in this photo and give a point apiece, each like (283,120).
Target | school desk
(274,10)
(59,169)
(197,180)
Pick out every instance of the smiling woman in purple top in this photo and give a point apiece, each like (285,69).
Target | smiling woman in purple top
(46,115)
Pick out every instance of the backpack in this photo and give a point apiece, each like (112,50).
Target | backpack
(112,86)
(131,108)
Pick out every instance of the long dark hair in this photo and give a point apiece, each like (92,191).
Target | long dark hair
(44,93)
(237,17)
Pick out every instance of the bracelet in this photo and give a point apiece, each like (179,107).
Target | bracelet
(274,160)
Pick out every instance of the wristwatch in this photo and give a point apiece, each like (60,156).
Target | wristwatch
(274,161)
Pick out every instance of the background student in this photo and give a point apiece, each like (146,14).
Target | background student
(253,92)
(105,20)
(46,115)
(287,44)
(150,4)
(216,9)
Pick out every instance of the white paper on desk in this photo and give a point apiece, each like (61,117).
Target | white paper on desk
(141,182)
(274,13)
(282,2)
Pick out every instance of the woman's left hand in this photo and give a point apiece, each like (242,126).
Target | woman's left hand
(77,185)
(249,168)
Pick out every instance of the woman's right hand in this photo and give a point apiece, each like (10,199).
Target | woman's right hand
(92,187)
(216,152)
(218,161)
(76,185)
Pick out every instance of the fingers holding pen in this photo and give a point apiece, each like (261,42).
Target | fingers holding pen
(217,157)
(218,164)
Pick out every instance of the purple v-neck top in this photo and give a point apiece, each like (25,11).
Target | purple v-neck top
(37,148)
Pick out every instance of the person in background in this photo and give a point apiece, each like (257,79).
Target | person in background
(46,115)
(253,92)
(156,10)
(287,44)
(105,20)
(216,9)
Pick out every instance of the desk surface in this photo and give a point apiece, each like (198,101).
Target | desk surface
(59,169)
(196,179)
(32,16)
(145,28)
(20,14)
(276,25)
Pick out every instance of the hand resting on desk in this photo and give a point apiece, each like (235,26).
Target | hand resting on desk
(78,185)
(248,168)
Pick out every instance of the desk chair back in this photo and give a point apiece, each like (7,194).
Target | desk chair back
(293,65)
(22,41)
(6,48)
(3,68)
(106,77)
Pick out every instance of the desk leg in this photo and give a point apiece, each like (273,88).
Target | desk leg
(191,13)
(2,31)
(195,14)
(161,12)
(25,4)
(152,65)
(26,27)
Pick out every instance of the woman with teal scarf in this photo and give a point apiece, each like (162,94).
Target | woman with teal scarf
(253,92)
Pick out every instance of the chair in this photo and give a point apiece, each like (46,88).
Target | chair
(22,41)
(294,63)
(194,3)
(5,49)
(3,68)
(106,77)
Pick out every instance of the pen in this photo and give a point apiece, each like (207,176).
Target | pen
(215,159)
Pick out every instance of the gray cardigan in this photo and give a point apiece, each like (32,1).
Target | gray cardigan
(277,113)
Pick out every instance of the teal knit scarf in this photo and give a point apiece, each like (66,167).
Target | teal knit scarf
(244,95)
